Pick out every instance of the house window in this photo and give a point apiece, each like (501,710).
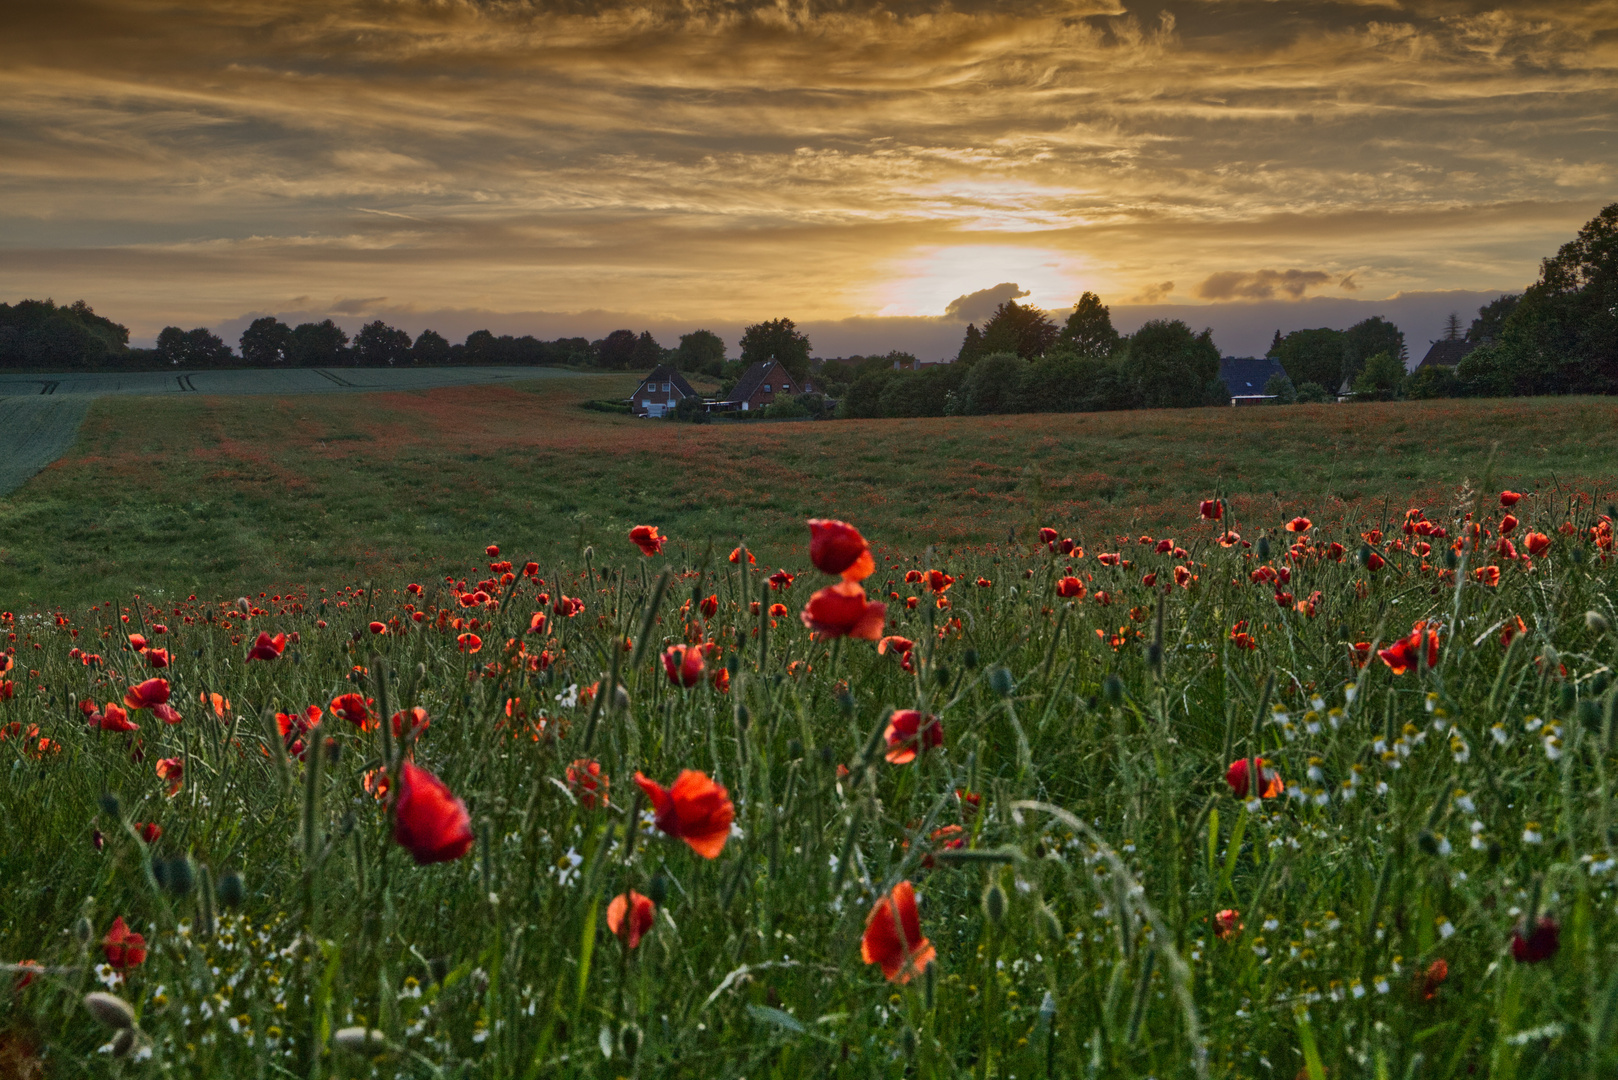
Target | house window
(766,388)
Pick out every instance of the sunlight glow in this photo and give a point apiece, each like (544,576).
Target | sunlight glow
(925,281)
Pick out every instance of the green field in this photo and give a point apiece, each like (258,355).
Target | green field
(190,493)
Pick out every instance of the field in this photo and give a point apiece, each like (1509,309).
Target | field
(191,493)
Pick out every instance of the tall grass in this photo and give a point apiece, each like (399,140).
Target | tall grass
(1112,908)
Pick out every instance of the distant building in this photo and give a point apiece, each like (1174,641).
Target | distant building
(1246,378)
(760,385)
(659,392)
(1447,353)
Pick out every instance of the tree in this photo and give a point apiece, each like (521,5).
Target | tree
(971,345)
(1275,344)
(1281,390)
(200,347)
(380,345)
(1319,356)
(320,344)
(266,342)
(648,353)
(1432,381)
(1452,327)
(777,340)
(1379,380)
(1367,338)
(616,351)
(1312,393)
(699,350)
(1491,320)
(431,347)
(1015,328)
(1172,367)
(993,384)
(1089,331)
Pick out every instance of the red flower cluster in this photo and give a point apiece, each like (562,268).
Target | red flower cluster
(588,783)
(1405,653)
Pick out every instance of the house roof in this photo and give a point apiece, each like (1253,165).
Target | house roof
(754,377)
(1245,376)
(1447,353)
(665,373)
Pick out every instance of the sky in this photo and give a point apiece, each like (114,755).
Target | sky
(881,173)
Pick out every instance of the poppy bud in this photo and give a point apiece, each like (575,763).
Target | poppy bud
(110,1009)
(1427,842)
(1112,690)
(929,985)
(358,1040)
(123,1043)
(1590,715)
(1263,548)
(1567,697)
(631,1039)
(657,890)
(845,701)
(1596,621)
(943,675)
(231,890)
(907,1042)
(83,930)
(97,840)
(175,875)
(242,605)
(1049,924)
(1578,555)
(109,805)
(1000,681)
(827,757)
(1451,560)
(1363,555)
(994,903)
(970,659)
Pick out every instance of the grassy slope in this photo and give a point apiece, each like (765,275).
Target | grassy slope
(206,494)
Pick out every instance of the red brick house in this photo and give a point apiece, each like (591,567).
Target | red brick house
(659,392)
(760,385)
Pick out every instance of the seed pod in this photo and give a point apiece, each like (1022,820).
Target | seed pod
(907,1042)
(929,985)
(110,805)
(994,903)
(175,875)
(1578,555)
(1427,842)
(1566,698)
(1362,556)
(1049,924)
(1596,621)
(358,1040)
(970,659)
(942,675)
(1451,560)
(83,930)
(231,890)
(242,605)
(1112,690)
(123,1043)
(1000,681)
(1263,548)
(631,1040)
(794,749)
(110,1009)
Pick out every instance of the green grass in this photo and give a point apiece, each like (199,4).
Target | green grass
(194,494)
(1105,828)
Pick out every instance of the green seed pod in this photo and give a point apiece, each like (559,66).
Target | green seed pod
(1112,690)
(744,718)
(110,805)
(970,659)
(794,749)
(1451,560)
(1363,555)
(1590,714)
(908,1043)
(1049,924)
(942,675)
(110,1009)
(631,1039)
(657,890)
(845,702)
(994,903)
(1263,548)
(178,876)
(1578,555)
(1567,697)
(1596,621)
(929,985)
(1000,681)
(83,930)
(1427,842)
(231,890)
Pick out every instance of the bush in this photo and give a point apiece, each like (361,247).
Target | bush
(994,384)
(690,410)
(1433,381)
(1313,393)
(1281,390)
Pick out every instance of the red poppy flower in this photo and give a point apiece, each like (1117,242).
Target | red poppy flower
(171,769)
(1487,575)
(157,658)
(536,623)
(150,831)
(907,732)
(1507,523)
(1509,498)
(355,709)
(1299,525)
(267,647)
(778,611)
(646,538)
(428,820)
(1070,587)
(1047,536)
(1541,943)
(1149,580)
(709,606)
(1404,654)
(896,643)
(912,577)
(1229,538)
(378,627)
(694,809)
(1164,547)
(1182,577)
(588,783)
(1433,978)
(896,942)
(1375,562)
(736,556)
(568,606)
(469,642)
(1505,549)
(1108,558)
(1229,923)
(1360,653)
(418,721)
(492,550)
(780,579)
(842,610)
(1211,510)
(137,642)
(1236,777)
(112,719)
(123,947)
(984,583)
(684,664)
(1070,547)
(836,547)
(1536,544)
(629,916)
(938,581)
(148,694)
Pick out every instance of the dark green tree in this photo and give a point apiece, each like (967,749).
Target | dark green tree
(320,344)
(380,345)
(648,353)
(779,340)
(198,348)
(993,385)
(1281,390)
(1171,366)
(1021,329)
(266,342)
(1491,320)
(1381,378)
(1089,330)
(700,350)
(1318,356)
(1368,337)
(430,349)
(971,345)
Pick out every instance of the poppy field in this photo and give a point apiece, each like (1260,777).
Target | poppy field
(1248,795)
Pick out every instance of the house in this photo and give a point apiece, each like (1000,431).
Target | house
(1246,378)
(1447,353)
(659,392)
(760,385)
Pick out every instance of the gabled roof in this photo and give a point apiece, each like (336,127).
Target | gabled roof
(1447,353)
(754,377)
(664,373)
(1245,376)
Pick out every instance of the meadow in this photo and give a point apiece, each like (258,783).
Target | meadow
(1253,796)
(208,495)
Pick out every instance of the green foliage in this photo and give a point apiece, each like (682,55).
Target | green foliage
(380,345)
(1088,331)
(702,351)
(1171,366)
(615,352)
(993,385)
(971,346)
(1432,381)
(690,410)
(39,336)
(1312,393)
(1023,330)
(430,348)
(1319,356)
(1281,390)
(777,339)
(325,344)
(1368,337)
(198,348)
(266,342)
(1381,378)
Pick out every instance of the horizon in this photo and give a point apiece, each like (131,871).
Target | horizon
(864,170)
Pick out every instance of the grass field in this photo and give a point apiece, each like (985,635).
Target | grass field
(192,493)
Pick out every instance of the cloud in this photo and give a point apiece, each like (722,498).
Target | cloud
(1260,284)
(1152,294)
(1348,284)
(977,306)
(357,305)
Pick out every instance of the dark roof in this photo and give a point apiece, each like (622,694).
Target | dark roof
(1447,353)
(1244,376)
(754,377)
(665,373)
